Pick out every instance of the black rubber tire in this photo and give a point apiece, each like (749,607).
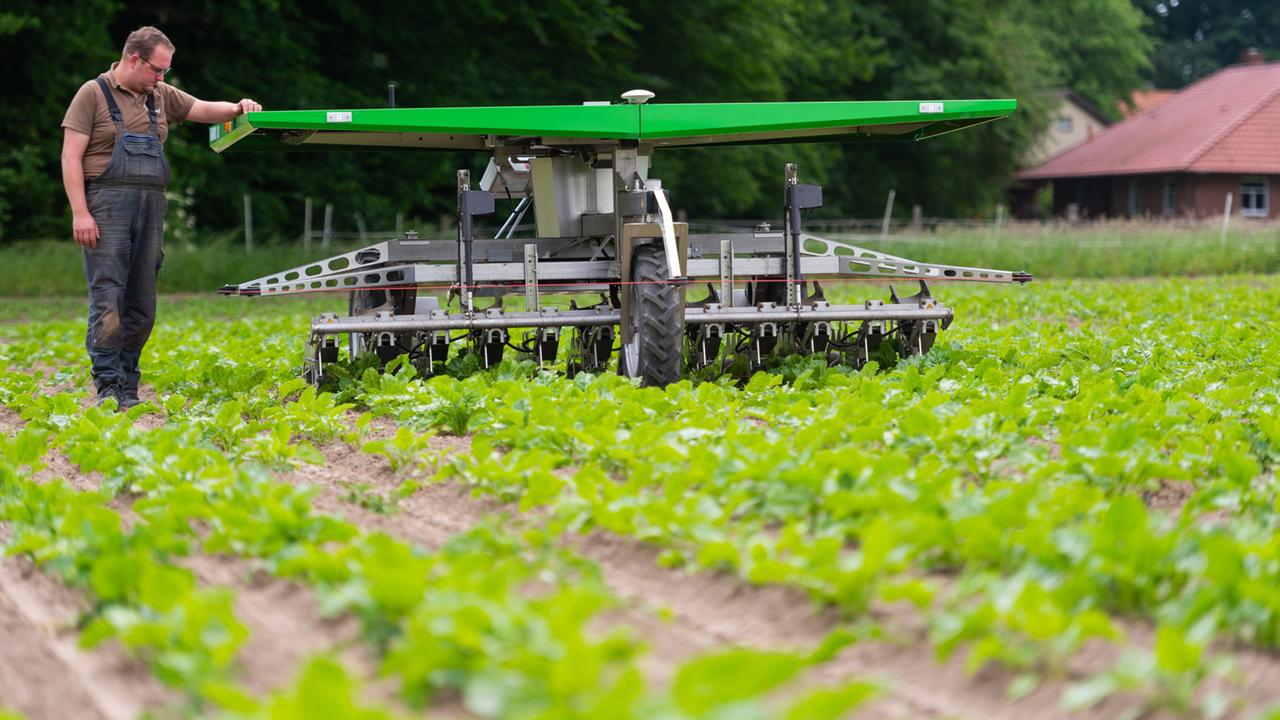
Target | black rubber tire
(654,352)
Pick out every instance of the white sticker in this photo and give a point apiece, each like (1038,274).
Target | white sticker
(930,107)
(346,117)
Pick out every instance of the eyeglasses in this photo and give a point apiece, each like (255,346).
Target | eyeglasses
(158,71)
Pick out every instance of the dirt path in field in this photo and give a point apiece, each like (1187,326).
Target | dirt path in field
(44,673)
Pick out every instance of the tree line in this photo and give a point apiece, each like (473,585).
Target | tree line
(290,54)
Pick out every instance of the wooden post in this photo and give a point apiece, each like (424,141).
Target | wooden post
(306,226)
(1226,217)
(917,218)
(328,225)
(399,224)
(999,215)
(888,212)
(248,223)
(360,225)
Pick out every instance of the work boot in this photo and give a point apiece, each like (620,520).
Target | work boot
(109,391)
(128,397)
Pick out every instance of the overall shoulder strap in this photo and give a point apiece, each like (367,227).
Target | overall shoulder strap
(116,116)
(151,111)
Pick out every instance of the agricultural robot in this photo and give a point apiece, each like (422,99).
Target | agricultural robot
(602,226)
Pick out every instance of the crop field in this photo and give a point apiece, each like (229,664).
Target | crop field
(1069,508)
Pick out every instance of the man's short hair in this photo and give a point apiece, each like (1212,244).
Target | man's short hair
(143,41)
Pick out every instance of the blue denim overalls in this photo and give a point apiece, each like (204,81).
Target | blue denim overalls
(127,202)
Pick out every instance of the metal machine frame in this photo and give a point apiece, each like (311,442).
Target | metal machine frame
(603,226)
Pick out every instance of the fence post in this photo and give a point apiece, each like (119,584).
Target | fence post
(888,212)
(360,225)
(248,223)
(306,226)
(399,224)
(999,215)
(917,218)
(328,225)
(1226,217)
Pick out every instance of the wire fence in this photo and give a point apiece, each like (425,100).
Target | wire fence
(318,228)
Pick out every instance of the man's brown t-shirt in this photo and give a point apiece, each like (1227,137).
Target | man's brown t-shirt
(88,114)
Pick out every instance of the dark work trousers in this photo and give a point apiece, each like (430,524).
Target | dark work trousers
(121,272)
(127,202)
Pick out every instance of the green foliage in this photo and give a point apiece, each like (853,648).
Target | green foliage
(52,48)
(849,485)
(1194,39)
(1103,67)
(1169,677)
(325,689)
(343,54)
(502,616)
(1009,485)
(831,703)
(405,451)
(731,676)
(364,495)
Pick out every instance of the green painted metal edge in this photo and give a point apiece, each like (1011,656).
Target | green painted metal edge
(674,125)
(611,122)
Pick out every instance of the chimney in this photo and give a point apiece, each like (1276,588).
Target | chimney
(1252,56)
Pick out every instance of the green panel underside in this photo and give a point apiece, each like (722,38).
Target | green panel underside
(676,125)
(735,123)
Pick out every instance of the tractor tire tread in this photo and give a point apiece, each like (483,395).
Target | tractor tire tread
(660,344)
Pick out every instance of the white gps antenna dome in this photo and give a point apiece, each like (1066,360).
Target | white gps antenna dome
(637,97)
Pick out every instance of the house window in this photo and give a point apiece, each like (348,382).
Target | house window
(1064,123)
(1253,197)
(1170,197)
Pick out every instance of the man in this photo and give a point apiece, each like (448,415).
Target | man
(114,171)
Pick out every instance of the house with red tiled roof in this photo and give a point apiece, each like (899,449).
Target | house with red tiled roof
(1217,137)
(1144,100)
(1075,120)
